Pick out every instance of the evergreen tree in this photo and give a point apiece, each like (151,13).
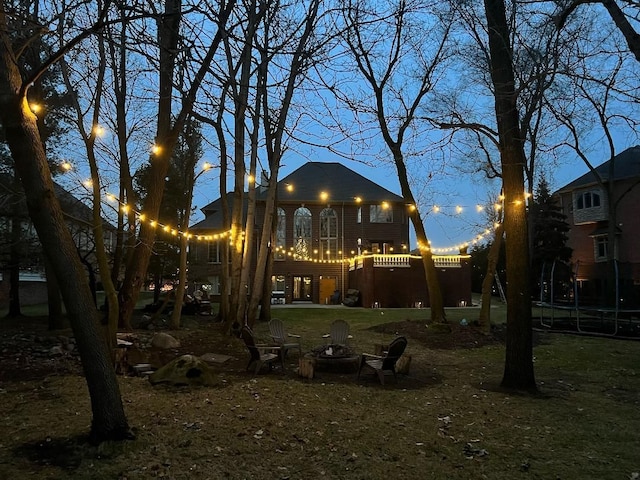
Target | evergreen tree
(550,229)
(179,181)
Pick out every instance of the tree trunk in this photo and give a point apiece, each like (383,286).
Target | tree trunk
(166,138)
(484,319)
(181,289)
(518,371)
(109,420)
(15,253)
(54,301)
(436,303)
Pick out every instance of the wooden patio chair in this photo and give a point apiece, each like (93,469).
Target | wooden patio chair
(382,364)
(281,337)
(339,333)
(260,354)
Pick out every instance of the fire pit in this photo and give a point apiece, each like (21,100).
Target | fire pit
(340,358)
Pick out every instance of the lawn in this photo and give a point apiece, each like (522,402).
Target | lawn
(446,419)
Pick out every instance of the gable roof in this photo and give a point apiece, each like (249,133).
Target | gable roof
(340,183)
(213,213)
(626,165)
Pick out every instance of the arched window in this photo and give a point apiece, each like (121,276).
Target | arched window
(281,235)
(328,234)
(302,233)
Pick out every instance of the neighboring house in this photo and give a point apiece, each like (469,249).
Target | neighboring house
(585,203)
(336,230)
(79,219)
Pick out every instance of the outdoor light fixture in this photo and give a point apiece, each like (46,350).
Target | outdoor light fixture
(98,130)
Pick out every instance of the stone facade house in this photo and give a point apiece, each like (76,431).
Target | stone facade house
(337,231)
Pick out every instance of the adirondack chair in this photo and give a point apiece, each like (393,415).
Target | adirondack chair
(282,338)
(339,333)
(260,354)
(386,363)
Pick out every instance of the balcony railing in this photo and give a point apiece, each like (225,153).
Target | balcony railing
(404,261)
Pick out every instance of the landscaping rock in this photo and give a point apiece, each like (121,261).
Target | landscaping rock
(164,341)
(185,370)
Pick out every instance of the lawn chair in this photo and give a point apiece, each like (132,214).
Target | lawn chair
(381,364)
(280,336)
(260,354)
(339,333)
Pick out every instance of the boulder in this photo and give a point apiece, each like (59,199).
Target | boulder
(164,341)
(185,370)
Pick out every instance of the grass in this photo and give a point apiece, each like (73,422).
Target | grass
(446,419)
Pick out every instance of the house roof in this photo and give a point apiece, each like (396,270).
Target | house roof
(339,182)
(626,165)
(213,213)
(72,207)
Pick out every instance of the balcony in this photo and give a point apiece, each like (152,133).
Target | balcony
(404,261)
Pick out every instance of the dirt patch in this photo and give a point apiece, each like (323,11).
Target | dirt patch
(443,336)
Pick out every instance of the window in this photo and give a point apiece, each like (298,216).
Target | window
(328,234)
(214,254)
(588,200)
(302,233)
(214,288)
(359,215)
(380,213)
(281,235)
(277,283)
(601,247)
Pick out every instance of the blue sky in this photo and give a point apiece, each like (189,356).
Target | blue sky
(445,229)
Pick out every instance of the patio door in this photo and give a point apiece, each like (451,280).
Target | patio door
(302,288)
(327,287)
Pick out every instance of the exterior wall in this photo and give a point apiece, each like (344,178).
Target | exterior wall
(405,287)
(349,231)
(591,271)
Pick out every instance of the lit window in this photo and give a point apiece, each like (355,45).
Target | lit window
(302,233)
(328,234)
(281,235)
(277,283)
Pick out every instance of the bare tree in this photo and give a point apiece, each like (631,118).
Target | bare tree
(89,139)
(19,123)
(518,370)
(620,12)
(168,128)
(275,118)
(400,64)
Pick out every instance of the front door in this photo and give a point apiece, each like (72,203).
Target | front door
(302,289)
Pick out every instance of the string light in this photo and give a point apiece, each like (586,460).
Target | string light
(66,166)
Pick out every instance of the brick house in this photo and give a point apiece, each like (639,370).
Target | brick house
(335,228)
(79,220)
(585,203)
